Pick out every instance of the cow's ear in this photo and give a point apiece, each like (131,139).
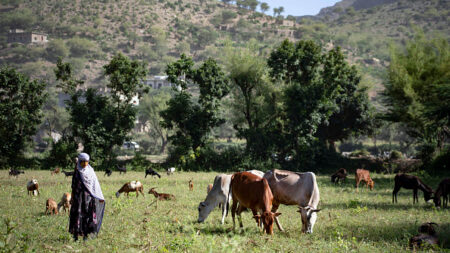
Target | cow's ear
(276,214)
(257,216)
(316,210)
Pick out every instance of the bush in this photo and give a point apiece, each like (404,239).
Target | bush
(139,162)
(360,152)
(395,154)
(441,162)
(62,153)
(56,48)
(80,46)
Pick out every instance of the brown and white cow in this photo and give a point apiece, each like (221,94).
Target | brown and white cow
(252,192)
(363,175)
(293,188)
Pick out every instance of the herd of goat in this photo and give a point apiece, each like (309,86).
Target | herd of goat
(427,234)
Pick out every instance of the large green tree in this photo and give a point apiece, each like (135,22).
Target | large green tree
(21,101)
(417,93)
(192,120)
(102,121)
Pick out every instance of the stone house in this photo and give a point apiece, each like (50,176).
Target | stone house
(20,36)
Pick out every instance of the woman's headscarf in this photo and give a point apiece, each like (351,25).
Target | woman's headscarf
(89,178)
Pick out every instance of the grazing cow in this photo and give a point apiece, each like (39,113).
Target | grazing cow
(442,190)
(218,196)
(363,175)
(133,186)
(252,192)
(108,172)
(33,187)
(122,169)
(170,170)
(51,206)
(151,172)
(293,188)
(411,182)
(341,174)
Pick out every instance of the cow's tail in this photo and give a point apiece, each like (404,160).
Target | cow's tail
(315,195)
(227,202)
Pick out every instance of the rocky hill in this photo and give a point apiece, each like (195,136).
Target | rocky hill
(87,33)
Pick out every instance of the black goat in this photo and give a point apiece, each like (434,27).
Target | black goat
(341,174)
(108,172)
(443,191)
(16,173)
(151,172)
(68,173)
(122,169)
(411,182)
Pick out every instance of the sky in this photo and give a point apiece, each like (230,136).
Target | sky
(299,7)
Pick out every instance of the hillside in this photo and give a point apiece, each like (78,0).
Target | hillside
(87,33)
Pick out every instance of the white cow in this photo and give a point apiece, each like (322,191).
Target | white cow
(170,170)
(292,188)
(219,194)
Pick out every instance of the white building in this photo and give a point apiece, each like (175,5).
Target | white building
(157,82)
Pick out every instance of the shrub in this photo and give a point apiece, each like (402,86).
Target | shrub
(395,154)
(360,152)
(441,162)
(56,48)
(80,47)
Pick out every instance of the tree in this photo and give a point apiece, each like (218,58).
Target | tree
(104,121)
(417,93)
(55,49)
(191,121)
(21,101)
(280,10)
(264,7)
(149,113)
(252,4)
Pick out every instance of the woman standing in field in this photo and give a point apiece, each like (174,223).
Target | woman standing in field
(88,203)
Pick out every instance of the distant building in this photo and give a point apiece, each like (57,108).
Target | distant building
(157,82)
(20,36)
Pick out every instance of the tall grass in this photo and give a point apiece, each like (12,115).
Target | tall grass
(364,222)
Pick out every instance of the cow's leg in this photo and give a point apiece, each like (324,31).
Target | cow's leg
(274,210)
(255,213)
(224,210)
(415,196)
(357,184)
(240,209)
(394,193)
(233,212)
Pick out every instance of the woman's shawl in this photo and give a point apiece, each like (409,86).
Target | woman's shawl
(90,181)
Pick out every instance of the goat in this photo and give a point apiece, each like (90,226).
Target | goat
(442,190)
(191,185)
(363,175)
(209,188)
(56,171)
(51,207)
(16,173)
(427,236)
(411,182)
(341,174)
(108,172)
(68,173)
(33,187)
(151,172)
(65,202)
(161,196)
(122,169)
(170,170)
(133,186)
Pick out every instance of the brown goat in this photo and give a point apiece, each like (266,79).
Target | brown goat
(161,196)
(133,186)
(427,237)
(341,174)
(51,206)
(33,187)
(65,202)
(56,171)
(191,185)
(363,175)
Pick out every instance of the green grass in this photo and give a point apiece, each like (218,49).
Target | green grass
(364,222)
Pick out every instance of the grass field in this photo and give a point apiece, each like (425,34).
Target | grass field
(362,222)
